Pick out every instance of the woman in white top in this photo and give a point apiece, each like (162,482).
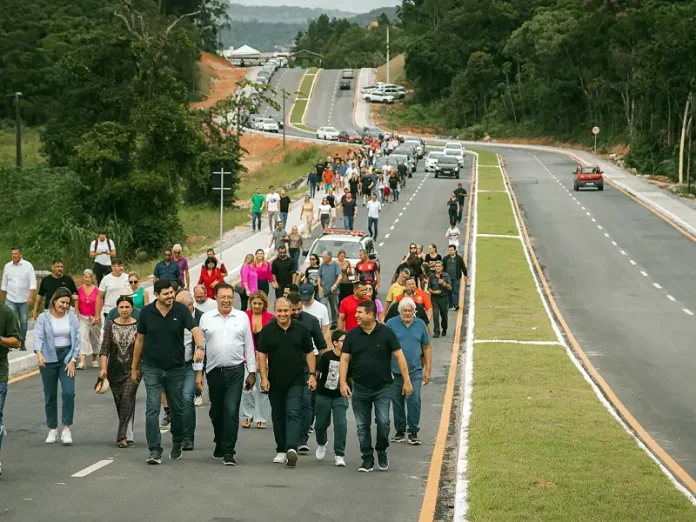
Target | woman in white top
(57,345)
(452,236)
(324,214)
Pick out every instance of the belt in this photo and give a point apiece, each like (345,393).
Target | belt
(228,368)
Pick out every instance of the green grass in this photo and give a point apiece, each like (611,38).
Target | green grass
(495,215)
(31,147)
(542,446)
(303,93)
(490,179)
(397,72)
(486,157)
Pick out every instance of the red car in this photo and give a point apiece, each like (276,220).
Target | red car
(589,176)
(349,137)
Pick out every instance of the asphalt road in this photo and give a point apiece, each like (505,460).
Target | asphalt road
(37,482)
(321,107)
(284,78)
(623,296)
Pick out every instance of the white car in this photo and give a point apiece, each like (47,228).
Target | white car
(376,86)
(333,240)
(328,133)
(378,96)
(431,160)
(267,124)
(457,153)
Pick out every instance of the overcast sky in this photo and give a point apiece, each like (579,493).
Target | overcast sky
(355,6)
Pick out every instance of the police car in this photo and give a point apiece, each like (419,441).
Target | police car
(333,240)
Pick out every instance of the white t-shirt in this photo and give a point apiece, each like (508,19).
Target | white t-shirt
(104,258)
(61,331)
(319,311)
(373,208)
(350,171)
(112,287)
(325,210)
(386,169)
(209,304)
(272,201)
(452,236)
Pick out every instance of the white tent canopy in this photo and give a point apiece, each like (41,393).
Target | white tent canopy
(245,50)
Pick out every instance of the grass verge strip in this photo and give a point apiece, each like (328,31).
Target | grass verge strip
(542,447)
(302,99)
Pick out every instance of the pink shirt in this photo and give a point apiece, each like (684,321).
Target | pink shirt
(250,278)
(87,304)
(263,272)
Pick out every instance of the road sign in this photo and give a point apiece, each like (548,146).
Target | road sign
(222,181)
(595,130)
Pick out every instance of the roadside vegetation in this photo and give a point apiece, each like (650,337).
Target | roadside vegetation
(302,99)
(541,445)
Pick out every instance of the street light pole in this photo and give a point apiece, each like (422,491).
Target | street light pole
(285,93)
(18,130)
(388,54)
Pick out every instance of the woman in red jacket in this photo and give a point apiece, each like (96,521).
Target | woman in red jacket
(255,405)
(210,277)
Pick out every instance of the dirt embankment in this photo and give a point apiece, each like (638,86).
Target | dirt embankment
(224,78)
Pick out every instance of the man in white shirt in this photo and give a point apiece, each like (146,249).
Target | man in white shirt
(102,250)
(200,294)
(373,209)
(452,236)
(229,346)
(387,168)
(272,205)
(316,309)
(350,171)
(110,289)
(18,287)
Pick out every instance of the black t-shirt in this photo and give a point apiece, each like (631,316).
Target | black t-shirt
(393,180)
(328,375)
(366,182)
(461,194)
(164,335)
(331,200)
(416,270)
(354,184)
(402,170)
(286,350)
(284,203)
(50,284)
(282,269)
(348,207)
(453,205)
(312,275)
(371,355)
(430,260)
(320,169)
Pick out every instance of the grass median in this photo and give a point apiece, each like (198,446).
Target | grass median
(541,445)
(302,99)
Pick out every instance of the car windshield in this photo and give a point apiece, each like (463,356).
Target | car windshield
(334,244)
(436,155)
(589,170)
(403,151)
(453,146)
(453,152)
(447,159)
(330,129)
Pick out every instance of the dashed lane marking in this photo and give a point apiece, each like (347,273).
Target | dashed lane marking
(92,468)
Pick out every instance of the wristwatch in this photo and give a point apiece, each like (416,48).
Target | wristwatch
(313,374)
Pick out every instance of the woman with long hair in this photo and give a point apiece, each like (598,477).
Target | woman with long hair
(311,274)
(263,271)
(346,287)
(255,404)
(90,330)
(57,345)
(140,296)
(295,244)
(250,281)
(116,359)
(371,294)
(307,216)
(211,276)
(324,213)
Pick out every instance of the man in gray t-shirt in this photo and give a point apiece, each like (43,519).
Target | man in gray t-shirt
(279,237)
(330,277)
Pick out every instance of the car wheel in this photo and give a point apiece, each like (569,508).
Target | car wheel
(457,175)
(576,187)
(436,174)
(601,187)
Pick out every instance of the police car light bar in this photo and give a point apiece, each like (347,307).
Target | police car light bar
(358,233)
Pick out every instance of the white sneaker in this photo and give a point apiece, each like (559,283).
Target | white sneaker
(321,452)
(66,437)
(198,401)
(279,458)
(52,437)
(340,461)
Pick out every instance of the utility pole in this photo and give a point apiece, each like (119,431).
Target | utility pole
(388,54)
(18,129)
(285,95)
(239,138)
(221,187)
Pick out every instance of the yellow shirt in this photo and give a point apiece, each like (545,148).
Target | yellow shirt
(395,291)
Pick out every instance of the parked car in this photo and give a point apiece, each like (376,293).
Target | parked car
(372,87)
(590,176)
(373,131)
(327,133)
(349,136)
(432,159)
(279,120)
(447,165)
(378,97)
(397,93)
(267,124)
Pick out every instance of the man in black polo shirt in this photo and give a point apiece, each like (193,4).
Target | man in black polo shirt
(283,352)
(460,192)
(160,344)
(49,284)
(282,270)
(9,340)
(367,353)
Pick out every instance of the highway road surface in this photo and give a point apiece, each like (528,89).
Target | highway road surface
(38,483)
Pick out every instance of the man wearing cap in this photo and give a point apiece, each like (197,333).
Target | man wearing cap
(317,309)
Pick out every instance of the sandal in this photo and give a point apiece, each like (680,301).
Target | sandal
(246,423)
(261,425)
(122,444)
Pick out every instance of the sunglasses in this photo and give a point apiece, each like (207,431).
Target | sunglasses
(134,282)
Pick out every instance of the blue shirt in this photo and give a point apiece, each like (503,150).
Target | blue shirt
(412,339)
(44,341)
(170,271)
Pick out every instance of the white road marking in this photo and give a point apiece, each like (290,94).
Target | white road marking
(386,236)
(671,298)
(582,208)
(657,286)
(600,227)
(400,213)
(644,273)
(687,311)
(516,341)
(499,236)
(395,221)
(381,244)
(605,234)
(614,243)
(588,214)
(632,262)
(623,253)
(594,220)
(392,227)
(92,468)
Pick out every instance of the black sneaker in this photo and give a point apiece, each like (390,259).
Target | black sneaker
(165,424)
(303,447)
(175,453)
(399,437)
(413,439)
(228,460)
(217,453)
(444,333)
(291,458)
(436,335)
(187,445)
(154,458)
(382,460)
(367,466)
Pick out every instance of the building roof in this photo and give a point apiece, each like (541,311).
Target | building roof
(245,50)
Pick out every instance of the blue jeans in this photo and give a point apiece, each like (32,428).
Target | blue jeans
(50,375)
(3,395)
(171,382)
(256,221)
(372,223)
(401,404)
(348,222)
(225,386)
(454,293)
(189,406)
(326,408)
(286,414)
(284,218)
(363,399)
(307,409)
(22,311)
(312,189)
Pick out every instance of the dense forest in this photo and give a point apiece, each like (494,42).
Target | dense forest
(109,83)
(557,68)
